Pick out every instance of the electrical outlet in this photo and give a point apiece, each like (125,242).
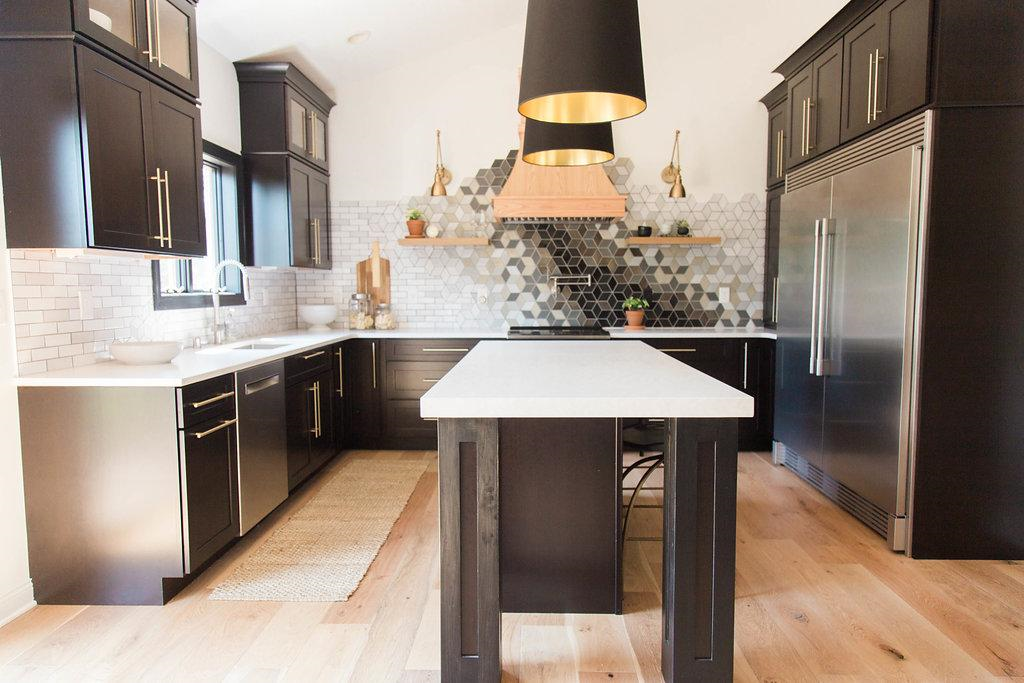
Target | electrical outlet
(724,294)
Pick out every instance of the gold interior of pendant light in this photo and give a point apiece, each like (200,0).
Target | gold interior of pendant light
(582,107)
(442,176)
(673,173)
(568,157)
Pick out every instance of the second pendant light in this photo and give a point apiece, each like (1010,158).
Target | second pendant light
(561,144)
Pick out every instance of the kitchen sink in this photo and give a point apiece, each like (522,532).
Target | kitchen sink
(258,346)
(251,346)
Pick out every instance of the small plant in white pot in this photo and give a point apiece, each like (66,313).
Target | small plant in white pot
(635,307)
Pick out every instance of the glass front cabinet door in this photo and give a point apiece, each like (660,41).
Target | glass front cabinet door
(157,34)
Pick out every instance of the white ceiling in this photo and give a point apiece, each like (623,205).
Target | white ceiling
(313,33)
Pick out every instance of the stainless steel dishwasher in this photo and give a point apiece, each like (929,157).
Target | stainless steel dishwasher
(262,444)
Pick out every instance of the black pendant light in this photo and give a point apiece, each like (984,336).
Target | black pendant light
(582,61)
(567,144)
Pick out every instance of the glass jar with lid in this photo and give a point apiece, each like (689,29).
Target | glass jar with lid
(359,316)
(384,319)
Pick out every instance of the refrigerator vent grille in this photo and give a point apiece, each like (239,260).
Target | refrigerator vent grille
(900,136)
(867,512)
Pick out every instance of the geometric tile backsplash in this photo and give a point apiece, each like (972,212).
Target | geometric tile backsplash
(506,282)
(509,281)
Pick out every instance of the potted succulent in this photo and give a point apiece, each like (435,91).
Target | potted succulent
(682,227)
(635,307)
(415,223)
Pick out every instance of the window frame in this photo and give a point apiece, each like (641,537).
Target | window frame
(162,302)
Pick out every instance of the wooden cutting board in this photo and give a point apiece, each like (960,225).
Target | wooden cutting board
(373,277)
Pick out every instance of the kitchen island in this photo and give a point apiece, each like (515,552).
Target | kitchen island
(557,406)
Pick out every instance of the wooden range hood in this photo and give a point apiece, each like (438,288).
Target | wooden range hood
(554,193)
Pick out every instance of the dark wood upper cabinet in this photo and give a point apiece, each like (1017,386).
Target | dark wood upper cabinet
(826,103)
(776,104)
(283,111)
(813,106)
(116,108)
(284,144)
(158,36)
(178,147)
(106,157)
(886,64)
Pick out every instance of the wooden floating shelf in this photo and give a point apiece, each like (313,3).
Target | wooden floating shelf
(444,242)
(655,241)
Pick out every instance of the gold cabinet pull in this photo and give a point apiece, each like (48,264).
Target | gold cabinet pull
(875,111)
(373,352)
(212,400)
(810,123)
(149,34)
(315,390)
(159,205)
(803,125)
(314,355)
(679,350)
(159,39)
(775,300)
(445,350)
(871,81)
(431,381)
(167,208)
(223,425)
(341,374)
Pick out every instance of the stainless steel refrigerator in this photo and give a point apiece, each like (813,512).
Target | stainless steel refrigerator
(849,242)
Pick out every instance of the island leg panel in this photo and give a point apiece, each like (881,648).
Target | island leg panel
(699,569)
(470,582)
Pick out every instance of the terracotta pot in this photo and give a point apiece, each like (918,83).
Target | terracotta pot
(635,319)
(416,228)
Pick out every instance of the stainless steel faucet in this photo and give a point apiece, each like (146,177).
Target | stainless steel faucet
(218,333)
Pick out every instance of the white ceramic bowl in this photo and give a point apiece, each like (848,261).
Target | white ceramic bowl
(318,317)
(145,353)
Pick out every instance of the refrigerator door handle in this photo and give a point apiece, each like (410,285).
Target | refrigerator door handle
(815,279)
(824,292)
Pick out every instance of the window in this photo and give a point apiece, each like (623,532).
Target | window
(187,283)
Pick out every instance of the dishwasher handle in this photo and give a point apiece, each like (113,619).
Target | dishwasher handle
(261,384)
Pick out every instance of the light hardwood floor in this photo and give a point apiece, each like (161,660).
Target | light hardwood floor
(818,598)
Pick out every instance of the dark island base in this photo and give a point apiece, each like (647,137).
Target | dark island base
(505,481)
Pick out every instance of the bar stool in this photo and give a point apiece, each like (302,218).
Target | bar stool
(643,436)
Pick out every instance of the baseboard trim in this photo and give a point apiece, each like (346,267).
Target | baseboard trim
(16,603)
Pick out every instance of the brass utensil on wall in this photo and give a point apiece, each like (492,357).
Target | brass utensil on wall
(673,173)
(442,176)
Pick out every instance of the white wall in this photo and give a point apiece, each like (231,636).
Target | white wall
(15,586)
(707,64)
(218,88)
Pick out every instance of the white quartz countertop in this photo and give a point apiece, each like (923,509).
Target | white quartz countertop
(195,366)
(578,379)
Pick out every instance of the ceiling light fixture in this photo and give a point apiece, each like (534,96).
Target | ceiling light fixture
(567,144)
(442,176)
(359,37)
(582,61)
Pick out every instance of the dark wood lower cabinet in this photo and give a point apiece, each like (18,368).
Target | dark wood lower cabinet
(362,362)
(746,364)
(309,420)
(209,473)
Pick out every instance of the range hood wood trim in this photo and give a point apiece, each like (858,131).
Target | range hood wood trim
(557,192)
(559,207)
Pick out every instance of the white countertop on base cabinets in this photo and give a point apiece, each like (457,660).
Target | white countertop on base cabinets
(537,379)
(196,365)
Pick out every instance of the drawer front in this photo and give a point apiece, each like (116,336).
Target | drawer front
(719,358)
(406,429)
(410,379)
(206,400)
(310,362)
(452,350)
